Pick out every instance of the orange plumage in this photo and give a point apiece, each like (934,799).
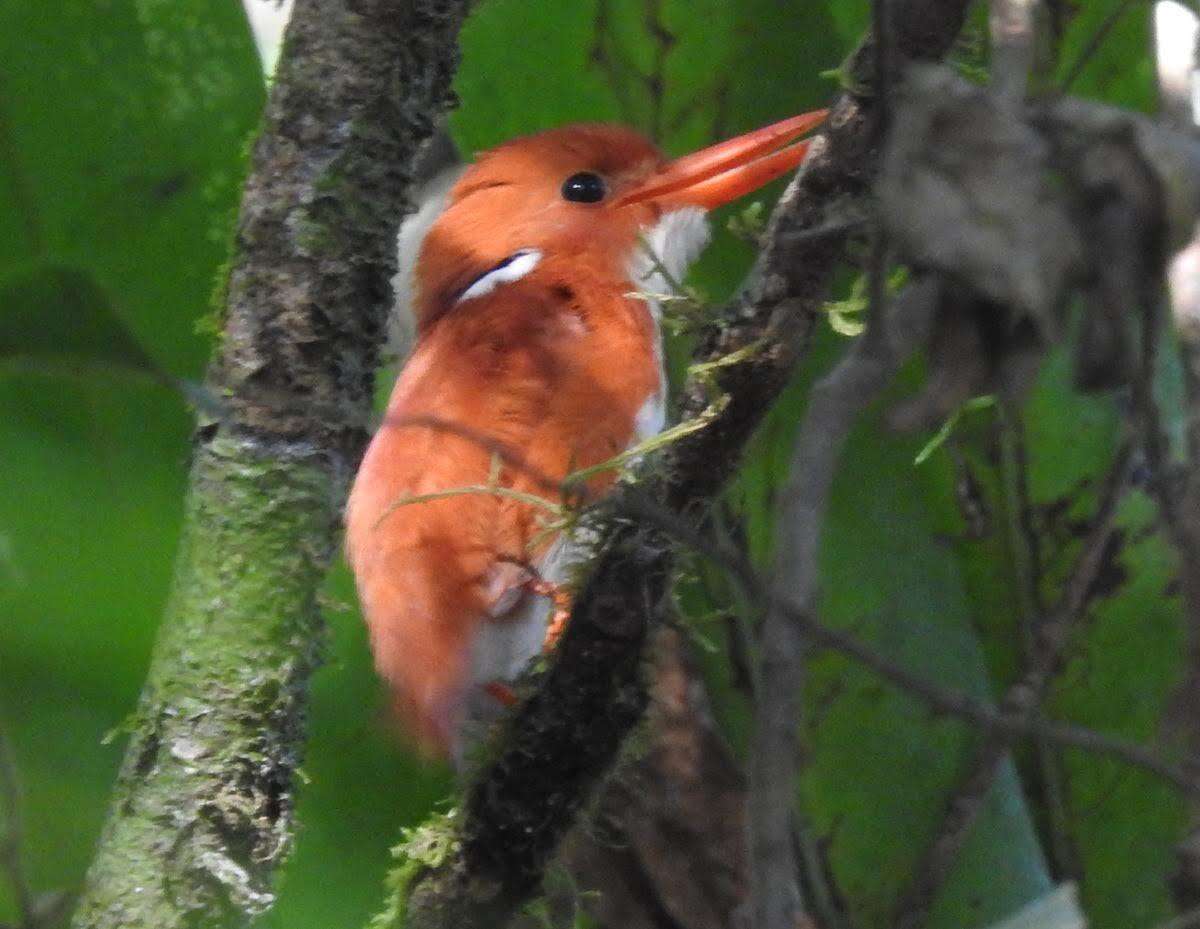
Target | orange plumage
(530,352)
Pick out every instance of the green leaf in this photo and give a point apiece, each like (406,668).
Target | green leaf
(125,125)
(60,314)
(1107,45)
(939,438)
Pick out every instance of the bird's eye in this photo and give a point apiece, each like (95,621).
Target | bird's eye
(584,187)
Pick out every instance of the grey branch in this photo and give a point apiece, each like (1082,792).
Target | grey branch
(833,409)
(941,700)
(1052,636)
(203,808)
(1011,23)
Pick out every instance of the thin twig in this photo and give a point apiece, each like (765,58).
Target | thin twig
(1051,637)
(468,490)
(1050,778)
(813,872)
(833,409)
(1154,438)
(1094,44)
(1012,30)
(942,700)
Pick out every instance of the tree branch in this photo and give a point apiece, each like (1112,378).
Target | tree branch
(1052,636)
(1011,24)
(833,409)
(562,741)
(942,700)
(202,812)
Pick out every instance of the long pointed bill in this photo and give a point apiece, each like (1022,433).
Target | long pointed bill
(723,172)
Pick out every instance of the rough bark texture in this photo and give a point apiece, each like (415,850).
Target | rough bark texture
(202,812)
(667,845)
(545,771)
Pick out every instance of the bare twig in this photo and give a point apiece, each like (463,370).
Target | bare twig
(942,700)
(1048,777)
(1051,638)
(833,409)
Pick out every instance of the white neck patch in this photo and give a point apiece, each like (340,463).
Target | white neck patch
(431,201)
(515,267)
(676,240)
(672,244)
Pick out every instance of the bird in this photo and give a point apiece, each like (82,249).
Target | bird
(538,352)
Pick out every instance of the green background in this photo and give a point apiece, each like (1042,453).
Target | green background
(123,131)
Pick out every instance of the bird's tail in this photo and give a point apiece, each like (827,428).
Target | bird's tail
(418,611)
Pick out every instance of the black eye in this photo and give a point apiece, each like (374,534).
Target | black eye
(584,187)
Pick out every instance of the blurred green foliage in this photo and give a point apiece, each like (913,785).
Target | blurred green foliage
(123,130)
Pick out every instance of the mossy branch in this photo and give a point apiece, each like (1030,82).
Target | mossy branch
(202,813)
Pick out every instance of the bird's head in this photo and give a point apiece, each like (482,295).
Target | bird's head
(588,193)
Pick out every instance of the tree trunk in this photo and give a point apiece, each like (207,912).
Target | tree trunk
(202,813)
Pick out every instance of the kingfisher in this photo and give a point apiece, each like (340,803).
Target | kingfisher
(538,354)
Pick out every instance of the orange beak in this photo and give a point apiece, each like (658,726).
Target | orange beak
(723,172)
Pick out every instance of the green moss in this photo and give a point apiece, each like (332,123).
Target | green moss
(241,636)
(314,237)
(211,324)
(426,846)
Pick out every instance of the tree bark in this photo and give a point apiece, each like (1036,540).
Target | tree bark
(667,843)
(202,812)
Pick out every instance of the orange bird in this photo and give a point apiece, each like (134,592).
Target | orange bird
(533,358)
